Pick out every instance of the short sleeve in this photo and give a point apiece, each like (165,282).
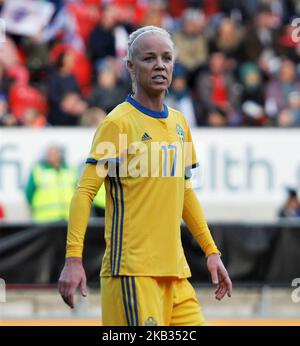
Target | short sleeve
(105,146)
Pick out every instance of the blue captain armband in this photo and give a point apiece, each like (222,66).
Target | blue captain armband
(104,167)
(93,161)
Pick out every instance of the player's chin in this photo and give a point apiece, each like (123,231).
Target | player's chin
(159,88)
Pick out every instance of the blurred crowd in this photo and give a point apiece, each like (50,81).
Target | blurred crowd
(237,61)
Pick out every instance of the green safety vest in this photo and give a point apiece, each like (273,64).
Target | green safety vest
(54,191)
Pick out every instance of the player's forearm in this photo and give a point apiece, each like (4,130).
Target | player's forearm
(194,218)
(80,208)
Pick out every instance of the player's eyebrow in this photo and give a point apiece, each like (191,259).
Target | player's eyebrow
(154,53)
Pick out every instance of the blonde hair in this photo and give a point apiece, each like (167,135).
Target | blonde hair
(150,29)
(136,35)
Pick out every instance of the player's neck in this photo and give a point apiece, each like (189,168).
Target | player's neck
(155,103)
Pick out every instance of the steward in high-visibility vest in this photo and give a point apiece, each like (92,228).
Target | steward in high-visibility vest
(49,191)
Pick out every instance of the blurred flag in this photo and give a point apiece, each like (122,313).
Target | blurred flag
(26,17)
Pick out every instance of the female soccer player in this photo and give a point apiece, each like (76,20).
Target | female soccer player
(143,153)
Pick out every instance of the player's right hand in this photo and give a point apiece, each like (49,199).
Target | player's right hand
(219,276)
(72,277)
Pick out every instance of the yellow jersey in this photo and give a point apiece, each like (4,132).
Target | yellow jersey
(152,152)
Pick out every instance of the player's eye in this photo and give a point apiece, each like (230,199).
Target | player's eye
(148,58)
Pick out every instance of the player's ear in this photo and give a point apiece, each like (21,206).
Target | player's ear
(129,65)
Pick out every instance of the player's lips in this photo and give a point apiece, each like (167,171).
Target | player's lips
(159,77)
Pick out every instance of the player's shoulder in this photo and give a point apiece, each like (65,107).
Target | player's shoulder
(175,113)
(118,116)
(177,116)
(119,113)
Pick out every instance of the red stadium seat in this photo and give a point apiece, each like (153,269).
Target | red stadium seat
(19,74)
(22,97)
(87,17)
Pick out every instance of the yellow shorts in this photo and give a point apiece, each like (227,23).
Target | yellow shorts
(142,301)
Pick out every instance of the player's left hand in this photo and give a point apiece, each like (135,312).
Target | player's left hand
(219,276)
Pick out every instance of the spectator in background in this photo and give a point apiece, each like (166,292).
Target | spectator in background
(92,117)
(22,95)
(251,83)
(237,8)
(290,116)
(50,187)
(109,91)
(217,88)
(37,57)
(192,50)
(179,96)
(80,68)
(254,114)
(109,38)
(102,41)
(285,118)
(34,118)
(156,13)
(229,39)
(280,87)
(217,118)
(282,10)
(252,95)
(261,35)
(6,118)
(65,102)
(291,208)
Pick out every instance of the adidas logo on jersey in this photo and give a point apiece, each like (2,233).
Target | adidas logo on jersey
(146,137)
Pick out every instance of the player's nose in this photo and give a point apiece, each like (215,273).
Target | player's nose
(159,64)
